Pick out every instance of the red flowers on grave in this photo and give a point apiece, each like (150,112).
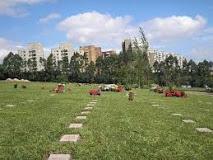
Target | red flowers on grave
(174,93)
(95,92)
(119,89)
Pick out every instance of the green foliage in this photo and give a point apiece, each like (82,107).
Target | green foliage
(15,85)
(61,78)
(127,87)
(2,72)
(23,86)
(90,73)
(12,65)
(76,64)
(127,68)
(170,73)
(143,69)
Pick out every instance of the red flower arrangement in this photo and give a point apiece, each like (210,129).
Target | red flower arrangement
(95,92)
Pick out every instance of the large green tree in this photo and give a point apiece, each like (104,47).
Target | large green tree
(75,67)
(12,65)
(142,62)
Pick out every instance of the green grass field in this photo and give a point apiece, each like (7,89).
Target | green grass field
(116,128)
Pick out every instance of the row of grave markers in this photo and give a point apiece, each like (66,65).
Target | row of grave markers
(204,130)
(74,137)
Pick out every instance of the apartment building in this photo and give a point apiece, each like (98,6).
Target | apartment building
(33,52)
(159,56)
(63,50)
(153,54)
(126,45)
(91,51)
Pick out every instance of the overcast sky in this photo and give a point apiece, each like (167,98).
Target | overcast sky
(181,26)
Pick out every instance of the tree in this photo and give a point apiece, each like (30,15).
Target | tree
(51,68)
(2,70)
(203,73)
(108,70)
(185,78)
(12,65)
(172,70)
(142,62)
(74,69)
(90,73)
(65,61)
(192,73)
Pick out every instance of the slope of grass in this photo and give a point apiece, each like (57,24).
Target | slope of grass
(116,128)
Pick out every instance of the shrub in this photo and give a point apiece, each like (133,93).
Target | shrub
(23,86)
(135,86)
(15,85)
(127,87)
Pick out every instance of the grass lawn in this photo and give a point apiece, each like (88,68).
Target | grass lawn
(116,128)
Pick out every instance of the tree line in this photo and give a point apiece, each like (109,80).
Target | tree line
(130,67)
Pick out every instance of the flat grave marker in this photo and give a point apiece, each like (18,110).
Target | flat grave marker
(92,102)
(204,130)
(70,138)
(76,125)
(81,117)
(188,121)
(10,105)
(85,112)
(60,157)
(155,105)
(88,108)
(177,114)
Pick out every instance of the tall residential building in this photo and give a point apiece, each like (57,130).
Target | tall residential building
(159,56)
(153,54)
(32,52)
(63,50)
(126,45)
(91,51)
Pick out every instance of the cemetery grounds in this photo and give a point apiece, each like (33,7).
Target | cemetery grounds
(32,121)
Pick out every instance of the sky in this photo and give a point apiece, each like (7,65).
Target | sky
(181,26)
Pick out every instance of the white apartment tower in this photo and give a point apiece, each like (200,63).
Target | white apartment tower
(32,52)
(159,56)
(64,49)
